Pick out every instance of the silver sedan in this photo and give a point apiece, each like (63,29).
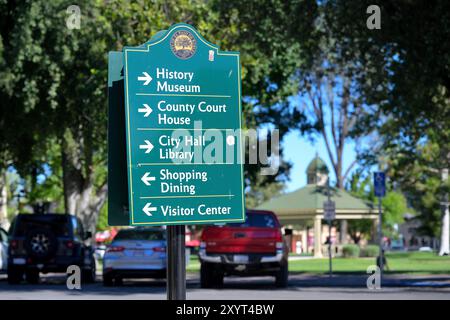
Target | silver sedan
(135,253)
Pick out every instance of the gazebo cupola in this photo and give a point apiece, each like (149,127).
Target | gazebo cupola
(317,172)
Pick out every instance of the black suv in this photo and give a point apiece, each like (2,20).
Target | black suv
(48,243)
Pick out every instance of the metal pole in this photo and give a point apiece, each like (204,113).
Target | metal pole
(329,233)
(329,248)
(176,263)
(380,234)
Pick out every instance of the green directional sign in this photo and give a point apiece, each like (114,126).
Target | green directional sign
(183,141)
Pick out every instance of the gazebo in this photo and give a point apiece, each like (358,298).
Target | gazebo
(307,203)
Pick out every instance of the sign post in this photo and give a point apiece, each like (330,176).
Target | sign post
(379,182)
(329,214)
(184,155)
(176,263)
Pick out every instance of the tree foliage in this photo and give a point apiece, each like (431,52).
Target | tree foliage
(55,80)
(394,207)
(395,82)
(406,84)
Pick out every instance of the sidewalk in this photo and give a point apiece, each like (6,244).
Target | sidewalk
(360,280)
(294,258)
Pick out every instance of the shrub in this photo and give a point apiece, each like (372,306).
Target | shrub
(350,251)
(370,251)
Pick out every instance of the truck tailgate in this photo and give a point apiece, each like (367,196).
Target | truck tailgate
(241,240)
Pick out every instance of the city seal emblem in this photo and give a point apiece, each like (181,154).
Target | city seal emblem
(183,44)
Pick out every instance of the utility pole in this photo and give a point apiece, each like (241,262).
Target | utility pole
(380,236)
(329,212)
(379,182)
(330,257)
(445,237)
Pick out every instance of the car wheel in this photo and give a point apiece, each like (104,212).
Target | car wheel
(88,275)
(32,276)
(209,276)
(108,280)
(205,276)
(281,278)
(118,281)
(40,243)
(218,279)
(14,276)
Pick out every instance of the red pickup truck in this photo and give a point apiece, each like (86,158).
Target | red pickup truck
(254,247)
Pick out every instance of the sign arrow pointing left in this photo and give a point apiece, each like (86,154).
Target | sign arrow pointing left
(148,209)
(145,178)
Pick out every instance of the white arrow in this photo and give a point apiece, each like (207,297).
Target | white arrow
(148,209)
(145,178)
(147,78)
(145,109)
(148,145)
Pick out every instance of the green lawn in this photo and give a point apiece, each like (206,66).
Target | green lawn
(194,264)
(403,262)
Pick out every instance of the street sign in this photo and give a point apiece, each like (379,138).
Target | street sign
(329,210)
(379,183)
(183,121)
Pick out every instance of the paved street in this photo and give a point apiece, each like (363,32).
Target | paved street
(349,287)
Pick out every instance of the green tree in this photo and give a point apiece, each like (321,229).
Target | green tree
(260,191)
(102,223)
(423,185)
(394,207)
(405,80)
(55,78)
(361,187)
(24,126)
(275,39)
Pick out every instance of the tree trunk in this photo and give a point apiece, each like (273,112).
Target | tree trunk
(344,231)
(80,197)
(445,231)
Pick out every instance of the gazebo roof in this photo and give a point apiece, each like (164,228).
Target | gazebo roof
(307,202)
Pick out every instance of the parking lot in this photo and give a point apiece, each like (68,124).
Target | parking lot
(301,286)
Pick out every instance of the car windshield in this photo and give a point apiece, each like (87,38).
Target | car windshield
(149,235)
(261,220)
(56,223)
